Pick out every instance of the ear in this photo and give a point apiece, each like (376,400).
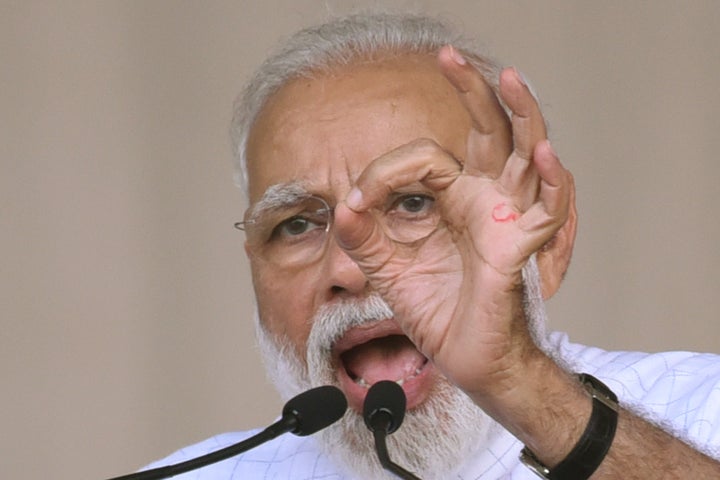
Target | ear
(554,257)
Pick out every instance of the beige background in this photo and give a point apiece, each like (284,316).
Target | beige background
(125,301)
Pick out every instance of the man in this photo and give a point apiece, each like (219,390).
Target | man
(407,218)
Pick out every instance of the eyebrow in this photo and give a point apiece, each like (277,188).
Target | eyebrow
(278,196)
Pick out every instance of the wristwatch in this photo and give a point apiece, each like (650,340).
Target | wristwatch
(587,455)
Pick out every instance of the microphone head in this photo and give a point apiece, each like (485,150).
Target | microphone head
(384,399)
(315,409)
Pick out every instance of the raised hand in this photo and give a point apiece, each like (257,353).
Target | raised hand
(458,292)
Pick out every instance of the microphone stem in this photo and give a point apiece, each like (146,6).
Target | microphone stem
(381,448)
(278,428)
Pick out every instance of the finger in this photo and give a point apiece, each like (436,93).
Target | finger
(490,141)
(528,124)
(555,180)
(550,211)
(420,161)
(362,238)
(519,178)
(359,231)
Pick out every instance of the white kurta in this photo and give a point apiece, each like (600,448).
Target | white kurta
(680,390)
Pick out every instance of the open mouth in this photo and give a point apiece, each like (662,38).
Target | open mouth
(387,358)
(368,354)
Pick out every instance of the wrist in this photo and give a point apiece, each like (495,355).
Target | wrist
(547,409)
(594,444)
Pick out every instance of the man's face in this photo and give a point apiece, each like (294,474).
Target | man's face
(321,133)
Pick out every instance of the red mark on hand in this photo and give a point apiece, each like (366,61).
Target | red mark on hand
(502,213)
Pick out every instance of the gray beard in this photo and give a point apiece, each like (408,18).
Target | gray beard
(435,438)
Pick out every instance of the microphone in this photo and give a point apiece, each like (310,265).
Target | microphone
(302,415)
(384,412)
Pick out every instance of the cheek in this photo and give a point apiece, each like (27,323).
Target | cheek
(285,304)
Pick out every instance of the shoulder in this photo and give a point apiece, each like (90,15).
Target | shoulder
(680,390)
(287,457)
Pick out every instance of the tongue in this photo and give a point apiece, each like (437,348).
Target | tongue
(388,358)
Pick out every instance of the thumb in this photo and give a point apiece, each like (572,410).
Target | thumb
(361,236)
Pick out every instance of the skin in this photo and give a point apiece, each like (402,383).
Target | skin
(371,128)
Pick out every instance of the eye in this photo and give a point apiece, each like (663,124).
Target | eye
(410,205)
(409,217)
(295,226)
(302,226)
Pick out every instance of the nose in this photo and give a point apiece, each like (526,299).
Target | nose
(342,274)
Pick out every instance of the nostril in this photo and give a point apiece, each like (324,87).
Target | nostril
(351,285)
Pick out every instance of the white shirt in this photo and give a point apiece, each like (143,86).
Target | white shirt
(679,390)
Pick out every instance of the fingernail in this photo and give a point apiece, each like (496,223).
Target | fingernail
(551,148)
(457,56)
(520,76)
(525,82)
(354,199)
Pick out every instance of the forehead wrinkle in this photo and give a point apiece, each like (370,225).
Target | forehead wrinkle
(351,174)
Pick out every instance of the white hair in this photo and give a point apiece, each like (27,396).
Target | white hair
(338,43)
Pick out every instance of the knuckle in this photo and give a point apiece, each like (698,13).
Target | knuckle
(427,147)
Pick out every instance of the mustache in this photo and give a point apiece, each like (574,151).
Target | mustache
(332,321)
(287,369)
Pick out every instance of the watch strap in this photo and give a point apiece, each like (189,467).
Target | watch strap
(594,444)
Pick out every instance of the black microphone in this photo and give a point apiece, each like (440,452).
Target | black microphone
(384,412)
(302,415)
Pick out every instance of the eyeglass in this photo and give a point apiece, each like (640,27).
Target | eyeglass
(296,234)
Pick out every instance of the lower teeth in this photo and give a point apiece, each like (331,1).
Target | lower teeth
(364,384)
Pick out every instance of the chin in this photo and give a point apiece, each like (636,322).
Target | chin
(436,437)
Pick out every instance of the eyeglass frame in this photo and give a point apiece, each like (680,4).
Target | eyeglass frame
(299,195)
